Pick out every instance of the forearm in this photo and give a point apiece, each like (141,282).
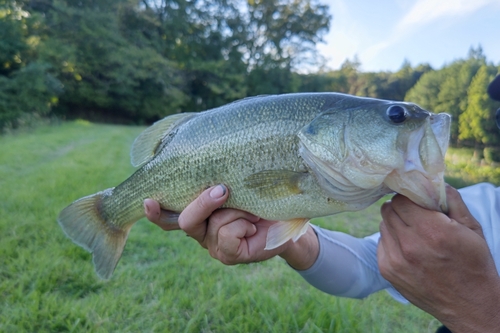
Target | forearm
(478,313)
(343,265)
(486,322)
(302,254)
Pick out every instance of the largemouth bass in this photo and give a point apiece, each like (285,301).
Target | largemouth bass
(286,157)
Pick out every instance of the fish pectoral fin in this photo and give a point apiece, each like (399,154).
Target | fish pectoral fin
(283,231)
(275,184)
(147,143)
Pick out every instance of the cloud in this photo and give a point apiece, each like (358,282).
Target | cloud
(345,37)
(421,14)
(424,12)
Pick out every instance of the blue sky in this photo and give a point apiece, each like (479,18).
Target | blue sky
(383,33)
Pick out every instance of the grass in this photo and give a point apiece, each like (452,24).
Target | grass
(165,282)
(463,169)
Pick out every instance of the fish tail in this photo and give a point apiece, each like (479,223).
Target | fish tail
(86,222)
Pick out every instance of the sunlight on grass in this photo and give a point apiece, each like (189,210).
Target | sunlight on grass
(165,282)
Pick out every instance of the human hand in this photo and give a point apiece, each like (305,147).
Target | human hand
(165,219)
(230,235)
(441,263)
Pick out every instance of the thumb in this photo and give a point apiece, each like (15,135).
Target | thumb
(459,212)
(193,218)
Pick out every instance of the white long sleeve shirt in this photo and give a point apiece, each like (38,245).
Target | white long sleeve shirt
(347,266)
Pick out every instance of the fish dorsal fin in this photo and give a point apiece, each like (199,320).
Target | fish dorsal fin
(147,143)
(282,231)
(275,183)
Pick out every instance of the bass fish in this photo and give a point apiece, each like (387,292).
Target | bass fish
(287,158)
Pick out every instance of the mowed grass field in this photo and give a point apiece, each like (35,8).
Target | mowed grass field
(165,282)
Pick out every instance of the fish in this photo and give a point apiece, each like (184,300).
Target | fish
(289,158)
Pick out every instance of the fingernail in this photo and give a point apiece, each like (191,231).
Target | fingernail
(146,207)
(218,192)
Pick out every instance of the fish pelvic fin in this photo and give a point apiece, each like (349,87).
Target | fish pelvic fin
(150,141)
(281,232)
(84,223)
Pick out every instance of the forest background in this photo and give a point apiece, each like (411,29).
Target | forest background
(134,62)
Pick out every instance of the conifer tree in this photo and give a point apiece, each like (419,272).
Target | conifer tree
(477,123)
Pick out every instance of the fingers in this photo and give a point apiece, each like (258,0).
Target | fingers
(416,216)
(230,239)
(392,224)
(458,211)
(402,219)
(225,229)
(152,210)
(241,240)
(402,206)
(382,252)
(409,214)
(193,218)
(230,235)
(223,217)
(237,229)
(164,219)
(389,238)
(385,235)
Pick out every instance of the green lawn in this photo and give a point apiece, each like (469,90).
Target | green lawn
(164,282)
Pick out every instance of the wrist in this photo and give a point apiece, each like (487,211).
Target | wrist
(484,316)
(302,254)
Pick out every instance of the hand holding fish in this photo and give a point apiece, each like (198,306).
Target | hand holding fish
(441,263)
(232,236)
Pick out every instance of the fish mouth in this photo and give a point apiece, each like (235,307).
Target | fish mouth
(421,178)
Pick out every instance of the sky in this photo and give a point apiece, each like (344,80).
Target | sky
(383,33)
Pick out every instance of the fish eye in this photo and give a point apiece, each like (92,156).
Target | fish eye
(397,114)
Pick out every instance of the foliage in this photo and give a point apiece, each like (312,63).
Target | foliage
(27,91)
(102,71)
(261,81)
(452,95)
(477,123)
(203,39)
(463,168)
(425,92)
(446,90)
(26,87)
(141,60)
(349,79)
(284,33)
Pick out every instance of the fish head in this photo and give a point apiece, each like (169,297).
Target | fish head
(363,152)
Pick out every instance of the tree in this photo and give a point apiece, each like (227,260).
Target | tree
(477,123)
(27,89)
(230,49)
(403,80)
(105,75)
(284,33)
(452,96)
(203,39)
(426,90)
(262,81)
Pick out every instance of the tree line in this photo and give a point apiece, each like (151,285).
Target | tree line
(130,60)
(135,61)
